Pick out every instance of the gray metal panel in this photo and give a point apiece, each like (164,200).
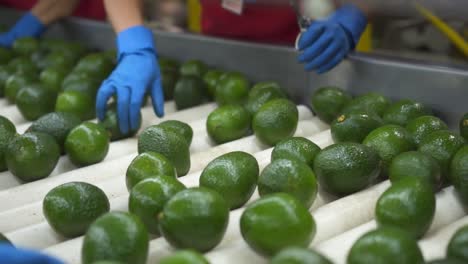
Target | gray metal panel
(443,87)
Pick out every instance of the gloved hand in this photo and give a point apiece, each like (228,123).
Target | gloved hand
(11,255)
(326,42)
(28,26)
(137,73)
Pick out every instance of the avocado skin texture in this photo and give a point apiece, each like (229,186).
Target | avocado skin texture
(385,245)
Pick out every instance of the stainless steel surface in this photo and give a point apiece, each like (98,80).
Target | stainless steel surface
(442,86)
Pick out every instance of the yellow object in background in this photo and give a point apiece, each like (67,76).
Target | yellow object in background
(194,15)
(449,32)
(365,43)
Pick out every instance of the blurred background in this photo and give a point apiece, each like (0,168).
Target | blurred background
(396,29)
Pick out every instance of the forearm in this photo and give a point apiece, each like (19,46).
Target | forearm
(49,11)
(124,14)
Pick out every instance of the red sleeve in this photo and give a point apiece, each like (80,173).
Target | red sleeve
(93,9)
(263,23)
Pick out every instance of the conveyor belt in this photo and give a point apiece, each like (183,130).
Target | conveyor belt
(339,221)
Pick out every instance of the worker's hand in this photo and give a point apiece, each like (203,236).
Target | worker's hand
(28,26)
(327,42)
(11,255)
(136,74)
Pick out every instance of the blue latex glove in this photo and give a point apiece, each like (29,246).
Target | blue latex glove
(137,73)
(28,26)
(11,255)
(327,42)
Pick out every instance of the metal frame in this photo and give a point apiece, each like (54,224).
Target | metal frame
(443,87)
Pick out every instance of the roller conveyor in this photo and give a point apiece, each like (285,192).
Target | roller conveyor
(340,221)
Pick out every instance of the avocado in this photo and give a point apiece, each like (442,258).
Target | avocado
(458,245)
(414,164)
(409,204)
(60,60)
(185,257)
(422,126)
(459,173)
(116,236)
(148,165)
(25,46)
(78,103)
(58,125)
(297,148)
(370,103)
(32,156)
(16,82)
(5,73)
(88,86)
(148,197)
(87,144)
(228,123)
(169,80)
(211,79)
(193,68)
(297,255)
(442,146)
(169,143)
(23,65)
(7,133)
(328,102)
(463,126)
(389,141)
(232,88)
(111,124)
(72,207)
(179,127)
(275,222)
(275,121)
(346,168)
(189,91)
(6,55)
(354,127)
(234,175)
(261,93)
(34,101)
(386,246)
(402,112)
(289,176)
(52,78)
(97,64)
(184,225)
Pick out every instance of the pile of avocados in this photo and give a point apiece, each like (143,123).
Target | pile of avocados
(54,83)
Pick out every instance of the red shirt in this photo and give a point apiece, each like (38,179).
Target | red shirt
(93,9)
(263,23)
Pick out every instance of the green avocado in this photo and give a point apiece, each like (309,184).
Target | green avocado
(328,102)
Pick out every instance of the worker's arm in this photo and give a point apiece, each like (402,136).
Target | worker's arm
(34,23)
(49,11)
(328,41)
(137,72)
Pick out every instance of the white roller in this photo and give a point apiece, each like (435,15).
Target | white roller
(434,245)
(13,114)
(4,102)
(448,210)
